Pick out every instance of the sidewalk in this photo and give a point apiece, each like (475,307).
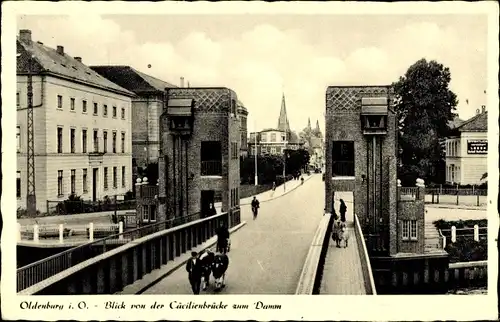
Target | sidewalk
(452,206)
(105,217)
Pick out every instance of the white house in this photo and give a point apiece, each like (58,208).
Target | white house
(82,127)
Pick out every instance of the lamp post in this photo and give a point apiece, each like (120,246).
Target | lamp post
(284,163)
(255,155)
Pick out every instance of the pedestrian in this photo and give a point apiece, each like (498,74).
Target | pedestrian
(274,185)
(194,269)
(342,210)
(222,238)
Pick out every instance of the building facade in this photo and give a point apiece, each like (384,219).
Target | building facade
(274,141)
(243,116)
(147,108)
(200,152)
(82,127)
(467,150)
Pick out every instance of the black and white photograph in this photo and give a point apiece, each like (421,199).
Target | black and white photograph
(180,150)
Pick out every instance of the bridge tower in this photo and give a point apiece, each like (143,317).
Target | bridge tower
(199,156)
(361,156)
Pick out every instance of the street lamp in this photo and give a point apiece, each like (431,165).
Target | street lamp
(284,162)
(255,155)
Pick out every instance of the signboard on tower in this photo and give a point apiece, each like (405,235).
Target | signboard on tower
(477,147)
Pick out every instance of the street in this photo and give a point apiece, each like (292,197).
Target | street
(267,254)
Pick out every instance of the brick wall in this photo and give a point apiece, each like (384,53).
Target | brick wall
(343,123)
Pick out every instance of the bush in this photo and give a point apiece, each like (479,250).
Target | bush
(469,223)
(23,213)
(467,250)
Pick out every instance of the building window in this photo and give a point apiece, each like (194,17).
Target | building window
(96,141)
(18,99)
(105,178)
(84,141)
(115,178)
(59,140)
(409,230)
(59,102)
(105,139)
(18,184)
(73,181)
(114,111)
(273,137)
(145,213)
(123,113)
(84,106)
(254,150)
(343,158)
(123,142)
(72,139)
(123,177)
(152,213)
(105,110)
(18,138)
(60,183)
(72,104)
(273,150)
(211,158)
(96,109)
(263,137)
(234,150)
(114,141)
(84,180)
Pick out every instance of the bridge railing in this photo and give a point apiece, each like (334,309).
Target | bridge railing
(45,268)
(110,271)
(366,266)
(310,277)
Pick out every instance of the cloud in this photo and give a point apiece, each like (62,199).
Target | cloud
(262,61)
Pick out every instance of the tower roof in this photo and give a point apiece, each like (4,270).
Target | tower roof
(283,124)
(309,123)
(317,127)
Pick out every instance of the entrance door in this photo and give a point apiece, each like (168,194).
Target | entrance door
(207,197)
(95,176)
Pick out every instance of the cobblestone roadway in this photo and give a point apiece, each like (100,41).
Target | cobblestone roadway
(267,254)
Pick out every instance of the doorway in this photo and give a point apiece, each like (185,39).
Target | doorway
(95,176)
(207,198)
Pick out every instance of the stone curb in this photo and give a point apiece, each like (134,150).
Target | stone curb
(146,283)
(430,205)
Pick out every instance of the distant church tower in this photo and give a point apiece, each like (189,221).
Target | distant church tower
(318,130)
(283,124)
(309,124)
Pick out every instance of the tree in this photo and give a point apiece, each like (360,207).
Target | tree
(424,106)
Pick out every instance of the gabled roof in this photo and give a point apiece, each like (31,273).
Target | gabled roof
(48,60)
(477,123)
(132,79)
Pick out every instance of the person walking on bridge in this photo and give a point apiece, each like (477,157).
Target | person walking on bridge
(342,210)
(222,238)
(194,269)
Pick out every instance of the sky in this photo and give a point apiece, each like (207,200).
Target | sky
(263,56)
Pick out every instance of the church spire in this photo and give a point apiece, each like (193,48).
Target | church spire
(309,123)
(317,127)
(283,124)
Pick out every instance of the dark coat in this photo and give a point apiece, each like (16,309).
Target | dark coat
(194,270)
(222,234)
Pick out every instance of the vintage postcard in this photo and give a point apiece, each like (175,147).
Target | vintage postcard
(249,160)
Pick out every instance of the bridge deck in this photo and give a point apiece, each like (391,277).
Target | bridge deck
(342,274)
(267,255)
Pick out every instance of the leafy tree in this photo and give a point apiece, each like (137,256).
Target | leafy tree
(424,106)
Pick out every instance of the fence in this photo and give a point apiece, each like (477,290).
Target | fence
(408,193)
(69,207)
(471,197)
(68,232)
(38,271)
(450,235)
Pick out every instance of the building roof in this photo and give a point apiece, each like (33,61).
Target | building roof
(477,123)
(316,142)
(132,79)
(58,63)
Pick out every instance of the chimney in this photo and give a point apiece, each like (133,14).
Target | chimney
(78,59)
(477,112)
(60,50)
(189,84)
(25,35)
(182,82)
(483,108)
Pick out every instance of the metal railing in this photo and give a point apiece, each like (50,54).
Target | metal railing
(470,197)
(69,231)
(38,271)
(211,168)
(408,193)
(149,191)
(459,191)
(343,168)
(366,266)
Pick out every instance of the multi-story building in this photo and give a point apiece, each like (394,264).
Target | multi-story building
(317,157)
(146,109)
(467,150)
(274,141)
(82,127)
(243,116)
